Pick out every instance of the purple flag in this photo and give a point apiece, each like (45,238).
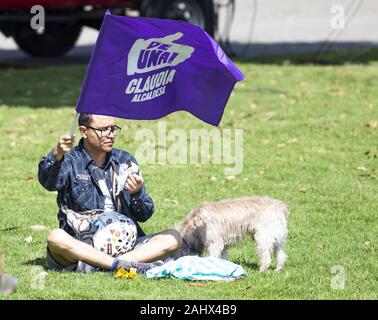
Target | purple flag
(145,68)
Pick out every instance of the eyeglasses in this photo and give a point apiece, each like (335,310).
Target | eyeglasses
(105,132)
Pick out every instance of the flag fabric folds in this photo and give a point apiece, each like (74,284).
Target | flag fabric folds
(146,68)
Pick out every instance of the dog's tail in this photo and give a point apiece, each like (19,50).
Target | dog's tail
(283,207)
(283,210)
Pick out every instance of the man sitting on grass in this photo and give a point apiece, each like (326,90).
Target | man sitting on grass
(83,177)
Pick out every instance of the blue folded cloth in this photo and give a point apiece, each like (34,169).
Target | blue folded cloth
(198,268)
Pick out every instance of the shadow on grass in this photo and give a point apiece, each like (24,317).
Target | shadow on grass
(249,265)
(334,58)
(16,59)
(56,82)
(37,262)
(54,87)
(302,53)
(316,52)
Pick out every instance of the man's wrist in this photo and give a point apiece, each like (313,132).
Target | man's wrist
(56,156)
(136,194)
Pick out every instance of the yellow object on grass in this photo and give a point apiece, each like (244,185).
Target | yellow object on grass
(123,274)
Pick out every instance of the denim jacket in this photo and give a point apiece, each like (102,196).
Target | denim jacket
(75,177)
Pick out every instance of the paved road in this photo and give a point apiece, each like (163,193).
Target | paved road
(260,27)
(280,26)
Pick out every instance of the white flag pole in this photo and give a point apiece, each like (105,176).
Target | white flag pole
(74,123)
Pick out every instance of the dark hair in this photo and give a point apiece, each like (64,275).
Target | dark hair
(85,119)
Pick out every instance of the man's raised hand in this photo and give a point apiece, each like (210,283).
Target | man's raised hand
(64,145)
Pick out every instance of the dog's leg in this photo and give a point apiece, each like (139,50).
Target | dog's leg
(281,257)
(265,258)
(264,249)
(224,254)
(215,249)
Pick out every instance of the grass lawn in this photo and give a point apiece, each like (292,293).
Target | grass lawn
(310,139)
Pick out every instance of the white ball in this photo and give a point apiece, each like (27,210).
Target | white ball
(116,238)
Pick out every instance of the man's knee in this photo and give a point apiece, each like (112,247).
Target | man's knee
(173,239)
(58,240)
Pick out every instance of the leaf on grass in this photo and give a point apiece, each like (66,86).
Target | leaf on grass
(171,200)
(269,116)
(297,94)
(229,178)
(29,178)
(281,145)
(193,284)
(27,138)
(320,150)
(303,189)
(372,124)
(362,168)
(367,243)
(319,246)
(196,284)
(244,115)
(302,84)
(293,140)
(213,178)
(21,121)
(29,239)
(38,227)
(246,288)
(264,141)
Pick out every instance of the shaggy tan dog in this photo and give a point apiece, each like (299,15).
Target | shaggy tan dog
(214,226)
